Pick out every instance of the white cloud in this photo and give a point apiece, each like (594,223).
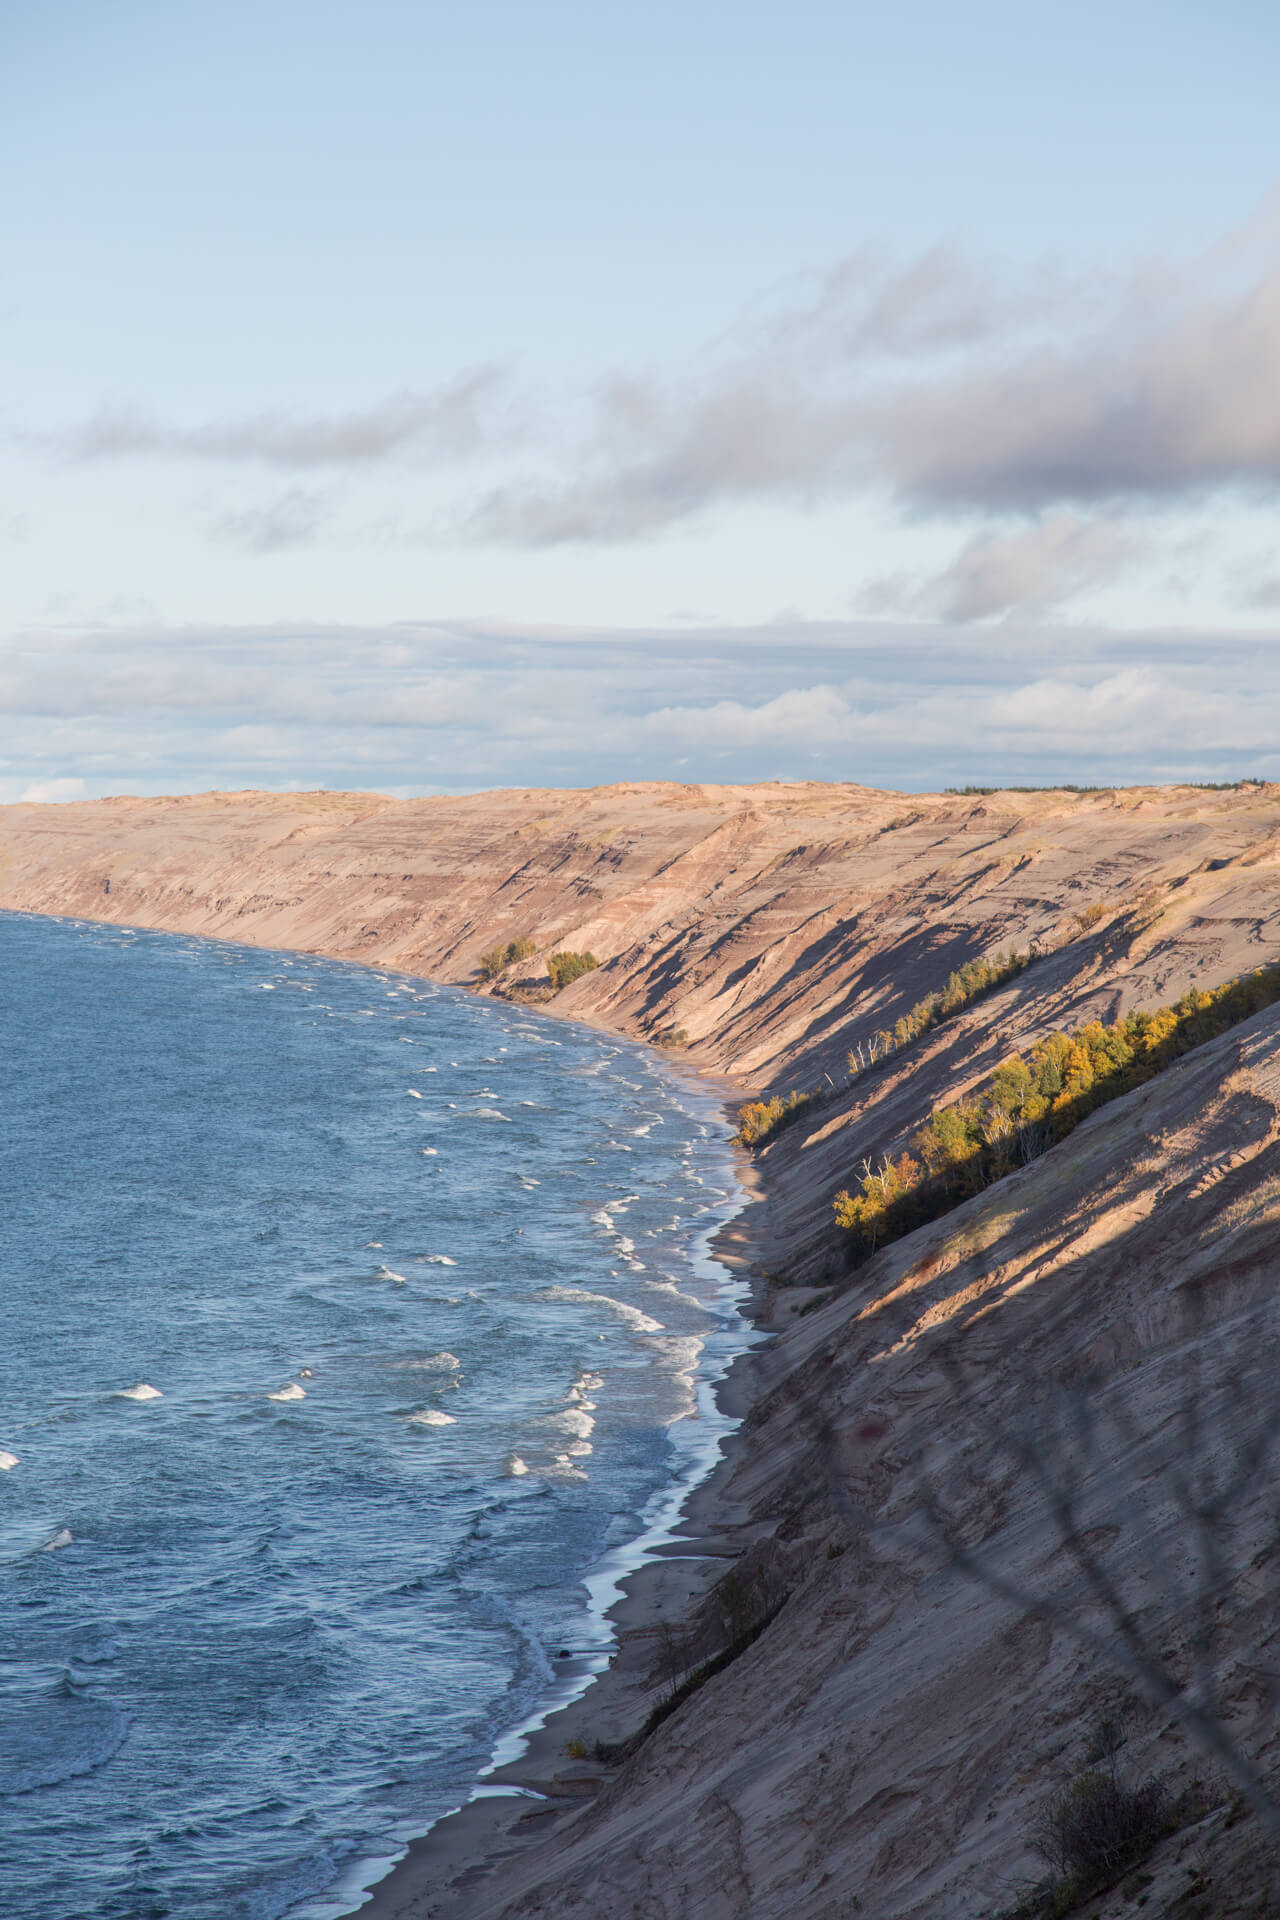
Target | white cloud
(44,792)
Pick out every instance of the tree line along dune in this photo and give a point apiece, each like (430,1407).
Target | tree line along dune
(989,1627)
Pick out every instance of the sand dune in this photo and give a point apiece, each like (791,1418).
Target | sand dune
(882,1743)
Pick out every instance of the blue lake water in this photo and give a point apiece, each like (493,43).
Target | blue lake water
(421,1283)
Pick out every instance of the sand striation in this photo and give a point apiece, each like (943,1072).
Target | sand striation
(888,1728)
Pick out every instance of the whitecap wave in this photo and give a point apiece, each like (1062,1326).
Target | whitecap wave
(63,1538)
(436,1260)
(432,1417)
(431,1363)
(514,1467)
(7,1462)
(639,1322)
(574,1420)
(413,1093)
(389,1273)
(292,1392)
(141,1392)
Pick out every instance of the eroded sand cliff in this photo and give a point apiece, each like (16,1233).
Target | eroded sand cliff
(882,1743)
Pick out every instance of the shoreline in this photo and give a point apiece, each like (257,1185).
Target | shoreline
(520,1800)
(682,1549)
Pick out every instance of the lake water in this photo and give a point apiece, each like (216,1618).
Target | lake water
(420,1285)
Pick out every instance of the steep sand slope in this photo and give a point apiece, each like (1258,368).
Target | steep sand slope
(891,1734)
(886,1738)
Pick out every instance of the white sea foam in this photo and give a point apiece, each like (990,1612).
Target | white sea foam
(389,1273)
(574,1420)
(431,1363)
(669,1286)
(413,1093)
(484,1113)
(292,1392)
(7,1462)
(435,1260)
(63,1538)
(681,1352)
(431,1417)
(639,1322)
(141,1392)
(431,1153)
(514,1467)
(374,1243)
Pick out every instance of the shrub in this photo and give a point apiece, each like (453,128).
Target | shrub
(961,988)
(1097,1830)
(495,963)
(566,967)
(1030,1104)
(760,1118)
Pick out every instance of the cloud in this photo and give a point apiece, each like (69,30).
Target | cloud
(44,792)
(1036,568)
(943,384)
(457,420)
(293,519)
(461,705)
(945,389)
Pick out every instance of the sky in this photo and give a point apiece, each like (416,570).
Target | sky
(429,399)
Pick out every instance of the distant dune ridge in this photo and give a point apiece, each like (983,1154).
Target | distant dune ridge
(894,1648)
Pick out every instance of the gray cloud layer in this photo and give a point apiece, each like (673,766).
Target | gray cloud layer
(457,707)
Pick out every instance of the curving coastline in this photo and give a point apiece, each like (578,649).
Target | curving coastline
(886,1734)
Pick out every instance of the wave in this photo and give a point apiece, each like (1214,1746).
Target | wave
(59,1739)
(141,1392)
(389,1273)
(435,1260)
(431,1417)
(574,1420)
(640,1322)
(413,1093)
(63,1538)
(292,1392)
(7,1461)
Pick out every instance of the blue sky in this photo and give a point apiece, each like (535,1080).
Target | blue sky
(426,398)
